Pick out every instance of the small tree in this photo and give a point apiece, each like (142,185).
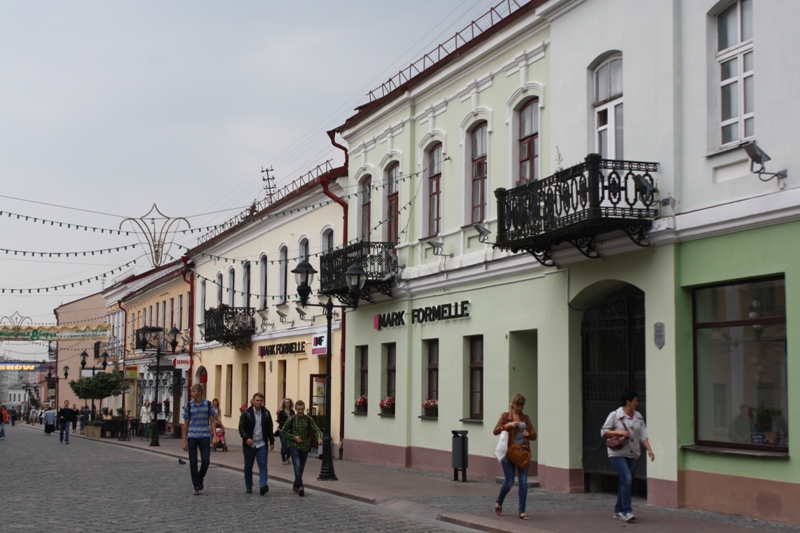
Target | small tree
(100,386)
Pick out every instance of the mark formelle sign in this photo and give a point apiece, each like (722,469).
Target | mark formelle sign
(319,346)
(423,315)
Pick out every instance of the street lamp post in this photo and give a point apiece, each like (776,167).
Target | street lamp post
(104,364)
(144,336)
(52,381)
(304,276)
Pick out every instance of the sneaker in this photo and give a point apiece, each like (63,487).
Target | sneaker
(264,489)
(619,516)
(301,492)
(629,517)
(295,489)
(248,490)
(197,492)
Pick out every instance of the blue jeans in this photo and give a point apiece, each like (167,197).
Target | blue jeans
(284,447)
(204,445)
(509,469)
(299,464)
(258,455)
(2,430)
(625,467)
(64,429)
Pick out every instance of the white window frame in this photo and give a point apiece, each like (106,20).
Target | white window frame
(262,280)
(246,284)
(738,52)
(232,287)
(609,106)
(283,279)
(219,288)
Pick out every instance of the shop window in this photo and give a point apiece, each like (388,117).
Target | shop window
(433,369)
(476,377)
(740,365)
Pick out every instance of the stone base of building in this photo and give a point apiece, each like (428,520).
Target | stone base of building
(756,498)
(427,459)
(568,480)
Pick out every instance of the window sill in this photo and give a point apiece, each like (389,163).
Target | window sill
(387,415)
(358,413)
(726,149)
(735,451)
(429,237)
(471,420)
(423,417)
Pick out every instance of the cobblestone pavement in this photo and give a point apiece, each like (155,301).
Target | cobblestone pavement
(91,486)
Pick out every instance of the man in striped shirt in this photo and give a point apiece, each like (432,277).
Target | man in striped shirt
(199,416)
(299,430)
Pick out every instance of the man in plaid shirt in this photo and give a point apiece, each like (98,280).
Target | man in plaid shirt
(298,434)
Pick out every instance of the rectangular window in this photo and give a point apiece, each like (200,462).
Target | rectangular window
(172,312)
(228,390)
(479,174)
(263,288)
(245,384)
(246,285)
(218,383)
(364,371)
(529,142)
(734,56)
(163,315)
(188,304)
(433,369)
(391,369)
(476,377)
(366,208)
(180,311)
(284,278)
(262,377)
(740,365)
(392,215)
(434,190)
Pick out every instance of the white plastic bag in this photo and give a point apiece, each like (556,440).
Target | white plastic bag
(502,446)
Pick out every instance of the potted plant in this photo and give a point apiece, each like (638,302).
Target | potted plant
(431,407)
(387,405)
(94,429)
(361,404)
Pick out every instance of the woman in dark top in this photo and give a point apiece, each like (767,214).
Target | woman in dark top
(285,411)
(520,430)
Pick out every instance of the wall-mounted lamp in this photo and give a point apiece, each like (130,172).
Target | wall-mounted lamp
(759,157)
(437,249)
(303,315)
(264,322)
(284,317)
(483,233)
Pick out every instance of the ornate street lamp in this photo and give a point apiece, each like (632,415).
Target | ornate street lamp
(104,364)
(304,276)
(144,337)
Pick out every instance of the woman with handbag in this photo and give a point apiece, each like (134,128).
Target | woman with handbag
(285,412)
(625,434)
(520,433)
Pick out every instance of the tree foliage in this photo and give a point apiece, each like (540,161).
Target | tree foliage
(100,386)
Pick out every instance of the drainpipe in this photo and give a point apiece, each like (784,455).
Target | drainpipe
(188,277)
(325,181)
(124,336)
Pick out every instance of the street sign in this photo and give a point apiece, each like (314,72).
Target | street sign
(182,362)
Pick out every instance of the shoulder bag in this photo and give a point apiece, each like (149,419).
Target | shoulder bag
(617,442)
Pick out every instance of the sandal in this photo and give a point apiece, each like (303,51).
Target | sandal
(498,508)
(523,516)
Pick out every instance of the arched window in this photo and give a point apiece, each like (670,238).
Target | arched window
(203,298)
(284,277)
(608,109)
(231,287)
(246,284)
(303,249)
(327,240)
(434,189)
(365,219)
(529,141)
(219,288)
(478,145)
(262,277)
(392,207)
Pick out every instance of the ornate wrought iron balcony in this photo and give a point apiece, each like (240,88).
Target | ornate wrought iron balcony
(377,260)
(576,205)
(232,326)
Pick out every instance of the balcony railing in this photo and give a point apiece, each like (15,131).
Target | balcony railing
(377,260)
(231,326)
(576,205)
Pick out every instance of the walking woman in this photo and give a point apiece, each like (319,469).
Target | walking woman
(520,431)
(626,422)
(284,414)
(145,418)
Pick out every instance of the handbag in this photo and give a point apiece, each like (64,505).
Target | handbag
(617,442)
(502,446)
(519,455)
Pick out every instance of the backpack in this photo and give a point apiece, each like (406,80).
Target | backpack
(5,416)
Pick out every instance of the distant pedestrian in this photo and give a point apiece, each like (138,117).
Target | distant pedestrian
(4,418)
(13,416)
(198,419)
(520,431)
(33,416)
(64,422)
(255,428)
(49,419)
(75,414)
(215,403)
(626,421)
(145,418)
(284,414)
(299,431)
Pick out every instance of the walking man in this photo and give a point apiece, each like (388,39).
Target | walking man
(3,422)
(300,430)
(255,428)
(64,421)
(49,418)
(199,417)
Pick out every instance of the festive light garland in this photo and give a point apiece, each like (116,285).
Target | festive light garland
(71,284)
(68,254)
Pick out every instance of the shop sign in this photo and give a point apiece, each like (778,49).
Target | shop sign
(20,366)
(422,315)
(319,344)
(282,348)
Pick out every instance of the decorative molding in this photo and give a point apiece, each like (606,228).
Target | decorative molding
(363,171)
(476,86)
(432,136)
(393,155)
(525,58)
(532,86)
(473,117)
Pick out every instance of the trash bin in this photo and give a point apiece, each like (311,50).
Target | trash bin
(460,454)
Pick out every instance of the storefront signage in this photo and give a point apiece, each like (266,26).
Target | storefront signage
(29,333)
(421,315)
(20,366)
(282,348)
(319,344)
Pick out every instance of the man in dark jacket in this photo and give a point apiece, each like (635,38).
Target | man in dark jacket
(65,415)
(255,428)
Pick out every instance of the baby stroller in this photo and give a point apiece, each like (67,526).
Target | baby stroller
(221,444)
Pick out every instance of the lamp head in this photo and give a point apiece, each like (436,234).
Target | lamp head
(66,371)
(105,360)
(173,335)
(84,355)
(304,277)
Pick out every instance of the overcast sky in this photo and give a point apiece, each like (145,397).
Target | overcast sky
(109,107)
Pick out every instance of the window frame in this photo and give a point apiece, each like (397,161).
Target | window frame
(232,287)
(365,216)
(283,280)
(434,189)
(263,271)
(392,204)
(363,370)
(608,106)
(479,137)
(433,369)
(737,52)
(476,352)
(246,284)
(528,143)
(219,288)
(391,369)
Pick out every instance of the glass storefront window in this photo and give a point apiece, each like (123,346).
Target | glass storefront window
(740,364)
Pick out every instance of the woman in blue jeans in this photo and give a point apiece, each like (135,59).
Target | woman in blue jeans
(520,431)
(626,421)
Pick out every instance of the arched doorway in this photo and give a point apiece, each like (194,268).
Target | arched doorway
(613,358)
(201,377)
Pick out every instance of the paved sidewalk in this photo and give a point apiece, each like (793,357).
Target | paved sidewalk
(435,496)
